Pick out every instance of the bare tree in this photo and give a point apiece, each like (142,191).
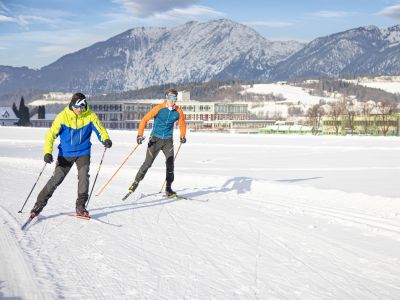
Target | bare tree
(351,113)
(277,116)
(366,110)
(385,108)
(338,108)
(314,115)
(295,111)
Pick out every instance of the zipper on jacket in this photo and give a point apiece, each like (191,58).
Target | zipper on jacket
(166,123)
(76,126)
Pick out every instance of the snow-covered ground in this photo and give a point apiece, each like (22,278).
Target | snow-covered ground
(389,84)
(294,94)
(273,217)
(53,98)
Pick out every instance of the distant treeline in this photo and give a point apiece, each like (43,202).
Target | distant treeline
(230,91)
(362,93)
(14,97)
(207,91)
(222,91)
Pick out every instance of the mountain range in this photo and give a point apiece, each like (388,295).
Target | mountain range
(214,50)
(360,51)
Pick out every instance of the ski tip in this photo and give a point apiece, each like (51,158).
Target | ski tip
(79,217)
(25,225)
(176,197)
(126,196)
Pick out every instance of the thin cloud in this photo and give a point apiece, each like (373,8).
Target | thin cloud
(172,17)
(269,24)
(143,9)
(25,16)
(48,46)
(45,51)
(391,12)
(190,13)
(6,19)
(3,8)
(333,14)
(25,20)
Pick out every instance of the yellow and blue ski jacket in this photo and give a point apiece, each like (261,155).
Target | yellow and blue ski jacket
(74,132)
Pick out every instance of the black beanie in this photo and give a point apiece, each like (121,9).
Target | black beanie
(75,98)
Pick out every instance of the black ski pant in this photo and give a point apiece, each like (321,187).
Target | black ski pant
(154,146)
(63,166)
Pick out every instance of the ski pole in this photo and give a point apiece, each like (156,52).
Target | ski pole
(106,184)
(20,211)
(176,154)
(98,171)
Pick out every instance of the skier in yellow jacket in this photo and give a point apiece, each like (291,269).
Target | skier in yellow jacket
(74,125)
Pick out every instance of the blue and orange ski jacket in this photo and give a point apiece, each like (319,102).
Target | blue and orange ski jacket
(74,132)
(164,120)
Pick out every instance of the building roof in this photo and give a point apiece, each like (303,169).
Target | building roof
(6,113)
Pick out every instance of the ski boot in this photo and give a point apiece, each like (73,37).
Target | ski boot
(33,214)
(169,192)
(134,186)
(82,212)
(35,211)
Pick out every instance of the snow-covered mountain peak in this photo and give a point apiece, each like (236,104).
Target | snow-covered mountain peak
(215,50)
(392,34)
(143,56)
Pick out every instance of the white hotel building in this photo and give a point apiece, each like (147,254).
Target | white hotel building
(127,114)
(210,116)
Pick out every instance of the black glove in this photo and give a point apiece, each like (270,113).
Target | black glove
(183,140)
(48,158)
(107,143)
(139,139)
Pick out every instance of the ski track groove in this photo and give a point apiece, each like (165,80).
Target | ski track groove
(150,229)
(171,262)
(38,272)
(317,238)
(247,242)
(201,250)
(358,218)
(142,246)
(191,243)
(139,233)
(249,268)
(349,268)
(254,269)
(163,258)
(87,251)
(356,254)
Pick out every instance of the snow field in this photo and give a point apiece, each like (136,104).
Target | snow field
(273,217)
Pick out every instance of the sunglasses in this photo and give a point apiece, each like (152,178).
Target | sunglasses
(81,107)
(172,97)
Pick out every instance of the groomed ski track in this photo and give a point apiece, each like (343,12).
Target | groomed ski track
(299,232)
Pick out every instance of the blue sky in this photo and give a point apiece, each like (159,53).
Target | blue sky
(35,33)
